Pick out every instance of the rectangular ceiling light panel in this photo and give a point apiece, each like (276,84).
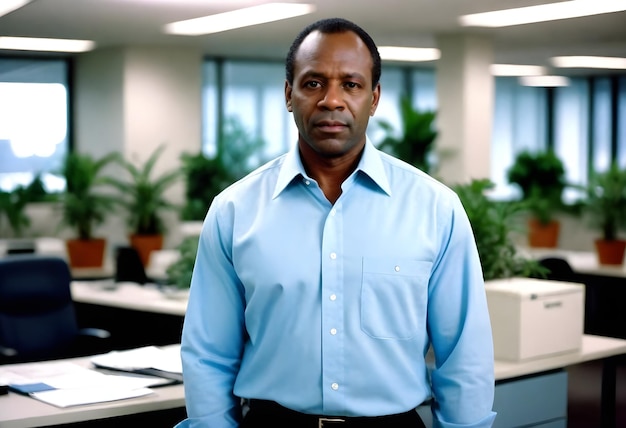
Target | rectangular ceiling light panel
(238,18)
(48,45)
(541,13)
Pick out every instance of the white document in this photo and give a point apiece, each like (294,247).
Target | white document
(63,383)
(76,397)
(148,357)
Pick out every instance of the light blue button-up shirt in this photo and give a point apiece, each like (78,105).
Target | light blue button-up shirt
(330,309)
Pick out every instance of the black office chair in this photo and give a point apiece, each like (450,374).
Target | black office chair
(559,269)
(129,267)
(37,316)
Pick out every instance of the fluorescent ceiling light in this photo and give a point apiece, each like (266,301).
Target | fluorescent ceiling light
(544,81)
(51,45)
(8,6)
(396,53)
(589,62)
(516,70)
(238,18)
(541,13)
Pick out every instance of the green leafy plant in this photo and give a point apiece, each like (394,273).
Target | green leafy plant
(494,224)
(605,202)
(86,201)
(541,178)
(143,195)
(13,209)
(415,143)
(206,176)
(179,272)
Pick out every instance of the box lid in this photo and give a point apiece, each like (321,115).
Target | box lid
(530,288)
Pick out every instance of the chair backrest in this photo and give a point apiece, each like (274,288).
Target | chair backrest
(37,316)
(128,266)
(560,269)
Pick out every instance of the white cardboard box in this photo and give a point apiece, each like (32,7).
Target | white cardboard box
(531,318)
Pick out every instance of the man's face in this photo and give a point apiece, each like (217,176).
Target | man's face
(332,96)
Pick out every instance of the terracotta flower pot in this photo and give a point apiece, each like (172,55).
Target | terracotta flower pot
(543,235)
(86,253)
(145,244)
(610,252)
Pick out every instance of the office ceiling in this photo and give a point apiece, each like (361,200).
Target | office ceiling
(114,23)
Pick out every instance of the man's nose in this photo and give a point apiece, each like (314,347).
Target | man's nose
(332,98)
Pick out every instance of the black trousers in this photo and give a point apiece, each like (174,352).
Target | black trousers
(270,414)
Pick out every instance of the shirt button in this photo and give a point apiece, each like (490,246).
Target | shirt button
(333,297)
(333,212)
(333,331)
(307,182)
(397,268)
(335,386)
(333,256)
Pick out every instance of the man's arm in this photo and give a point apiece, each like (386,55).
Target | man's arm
(213,332)
(460,331)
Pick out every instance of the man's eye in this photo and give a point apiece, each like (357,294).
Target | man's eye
(312,84)
(352,85)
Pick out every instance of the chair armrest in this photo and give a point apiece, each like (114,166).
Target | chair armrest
(95,332)
(7,352)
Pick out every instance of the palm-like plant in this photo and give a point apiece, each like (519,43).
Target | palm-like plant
(85,202)
(417,136)
(606,201)
(493,224)
(145,195)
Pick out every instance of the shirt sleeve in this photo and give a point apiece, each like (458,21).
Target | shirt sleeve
(213,331)
(460,330)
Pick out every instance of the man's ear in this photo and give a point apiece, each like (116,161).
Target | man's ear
(288,96)
(375,99)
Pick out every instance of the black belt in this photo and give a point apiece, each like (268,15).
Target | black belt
(271,413)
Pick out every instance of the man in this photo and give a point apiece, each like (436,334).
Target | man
(323,277)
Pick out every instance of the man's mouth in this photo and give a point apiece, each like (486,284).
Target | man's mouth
(331,126)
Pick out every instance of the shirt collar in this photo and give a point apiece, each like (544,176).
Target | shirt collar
(370,164)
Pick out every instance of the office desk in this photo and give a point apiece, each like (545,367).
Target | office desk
(19,411)
(129,295)
(135,315)
(583,262)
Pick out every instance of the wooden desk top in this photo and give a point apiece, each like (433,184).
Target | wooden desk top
(129,295)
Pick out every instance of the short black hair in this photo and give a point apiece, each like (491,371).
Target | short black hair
(333,26)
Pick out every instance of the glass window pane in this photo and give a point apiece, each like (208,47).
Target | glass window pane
(571,126)
(33,121)
(601,129)
(519,123)
(621,122)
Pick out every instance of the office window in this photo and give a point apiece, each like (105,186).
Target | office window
(33,121)
(571,128)
(253,94)
(519,123)
(621,121)
(601,124)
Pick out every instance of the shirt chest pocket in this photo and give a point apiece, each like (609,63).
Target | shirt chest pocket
(394,293)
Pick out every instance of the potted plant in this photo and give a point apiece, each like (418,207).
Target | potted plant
(541,178)
(206,176)
(144,200)
(415,143)
(494,224)
(605,205)
(84,205)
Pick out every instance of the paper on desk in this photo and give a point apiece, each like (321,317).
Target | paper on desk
(76,397)
(147,357)
(73,384)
